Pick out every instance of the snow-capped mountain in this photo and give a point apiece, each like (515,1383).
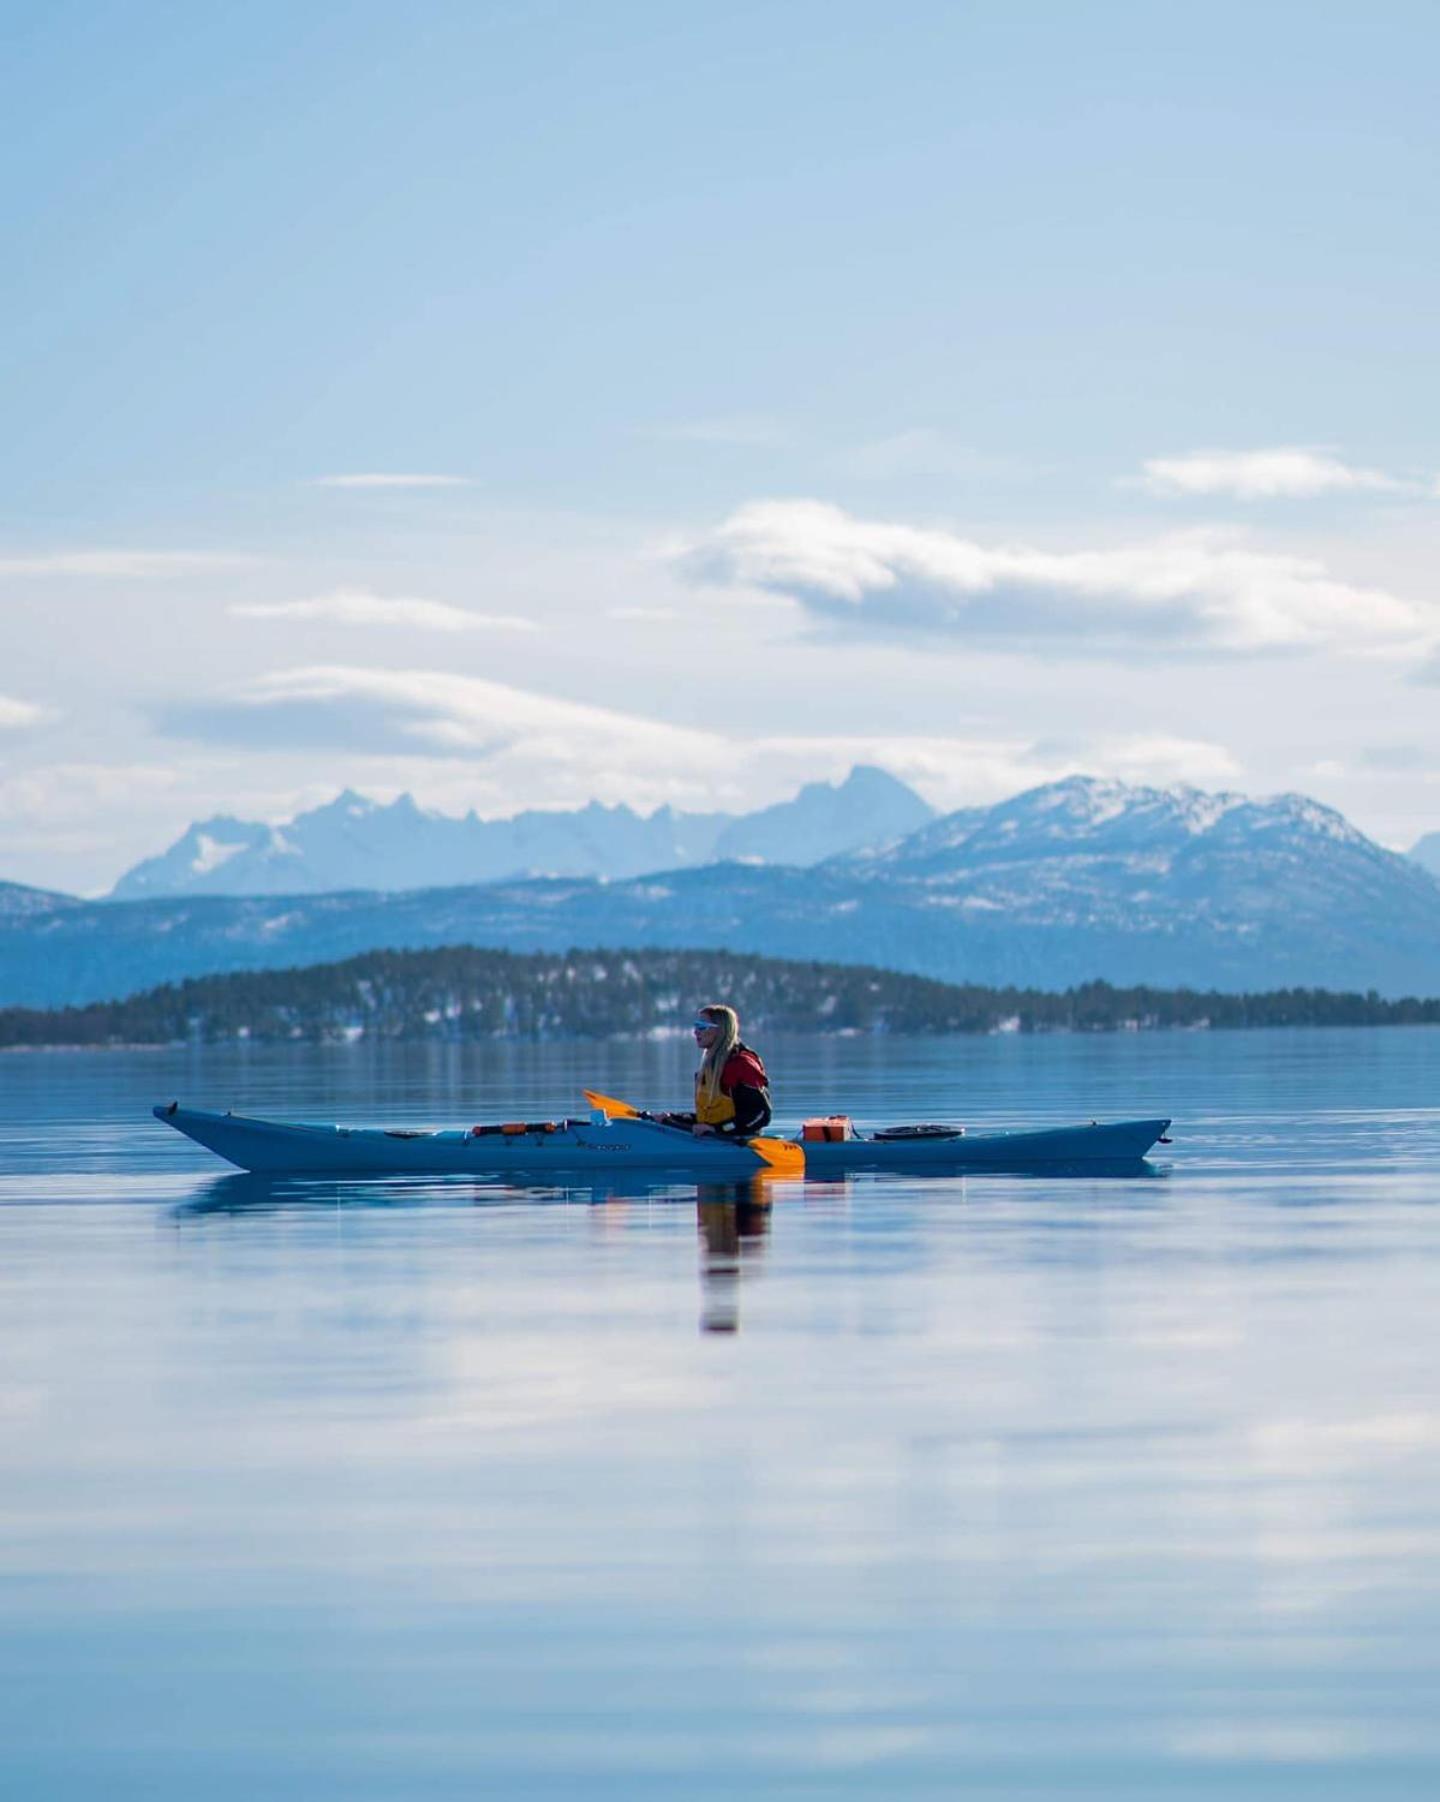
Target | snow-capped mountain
(1075,880)
(1103,838)
(352,842)
(1223,878)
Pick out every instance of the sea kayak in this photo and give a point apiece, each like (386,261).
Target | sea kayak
(536,1149)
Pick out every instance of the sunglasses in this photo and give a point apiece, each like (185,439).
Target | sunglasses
(704,1026)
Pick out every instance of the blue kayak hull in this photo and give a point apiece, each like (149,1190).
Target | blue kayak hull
(275,1148)
(1101,1142)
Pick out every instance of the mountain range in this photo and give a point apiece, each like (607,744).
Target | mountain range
(353,842)
(1069,882)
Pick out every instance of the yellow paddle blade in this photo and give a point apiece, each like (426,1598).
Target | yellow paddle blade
(779,1155)
(622,1110)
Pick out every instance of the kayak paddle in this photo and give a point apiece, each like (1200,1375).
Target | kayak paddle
(622,1110)
(781,1156)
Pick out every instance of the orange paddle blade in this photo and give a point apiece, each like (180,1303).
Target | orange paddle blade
(621,1110)
(784,1158)
(779,1155)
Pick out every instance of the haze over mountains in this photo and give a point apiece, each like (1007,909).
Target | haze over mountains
(1072,881)
(1427,853)
(355,843)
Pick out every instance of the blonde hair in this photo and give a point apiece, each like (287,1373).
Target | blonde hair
(718,1055)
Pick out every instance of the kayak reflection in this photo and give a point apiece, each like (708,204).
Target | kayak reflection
(247,1193)
(244,1192)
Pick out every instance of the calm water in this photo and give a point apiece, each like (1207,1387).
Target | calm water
(1003,1486)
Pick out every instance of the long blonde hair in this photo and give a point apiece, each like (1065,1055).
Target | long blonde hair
(716,1058)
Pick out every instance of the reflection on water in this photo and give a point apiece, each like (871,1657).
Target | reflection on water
(733,1217)
(1002,1486)
(734,1220)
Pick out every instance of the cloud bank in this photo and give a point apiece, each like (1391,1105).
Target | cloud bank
(432,711)
(361,607)
(486,739)
(1194,590)
(1286,473)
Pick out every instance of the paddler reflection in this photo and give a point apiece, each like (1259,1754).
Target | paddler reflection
(734,1219)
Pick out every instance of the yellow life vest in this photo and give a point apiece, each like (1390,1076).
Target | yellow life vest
(712,1110)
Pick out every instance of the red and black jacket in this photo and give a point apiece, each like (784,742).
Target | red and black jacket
(743,1105)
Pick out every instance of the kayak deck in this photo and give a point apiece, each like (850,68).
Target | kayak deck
(275,1147)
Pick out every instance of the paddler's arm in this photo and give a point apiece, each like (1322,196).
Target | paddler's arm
(752,1113)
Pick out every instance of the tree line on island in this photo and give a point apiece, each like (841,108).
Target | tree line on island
(467,993)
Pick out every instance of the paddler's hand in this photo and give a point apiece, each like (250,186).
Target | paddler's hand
(700,1130)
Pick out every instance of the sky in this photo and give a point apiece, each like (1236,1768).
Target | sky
(523,404)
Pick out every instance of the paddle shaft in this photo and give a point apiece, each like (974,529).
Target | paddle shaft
(779,1154)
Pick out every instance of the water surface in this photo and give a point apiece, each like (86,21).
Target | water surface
(1005,1485)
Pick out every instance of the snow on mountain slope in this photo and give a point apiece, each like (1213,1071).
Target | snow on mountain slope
(193,862)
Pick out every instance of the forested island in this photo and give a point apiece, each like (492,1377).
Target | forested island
(464,993)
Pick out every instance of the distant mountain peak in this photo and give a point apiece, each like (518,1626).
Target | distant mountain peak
(827,819)
(349,800)
(867,778)
(1315,816)
(1098,798)
(355,842)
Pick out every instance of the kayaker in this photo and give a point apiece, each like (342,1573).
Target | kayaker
(732,1091)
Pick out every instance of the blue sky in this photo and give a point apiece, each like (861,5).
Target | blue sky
(992,390)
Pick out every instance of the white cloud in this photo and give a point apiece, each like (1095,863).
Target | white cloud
(1159,759)
(437,710)
(1194,590)
(16,715)
(651,615)
(529,749)
(1285,473)
(359,607)
(120,565)
(384,480)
